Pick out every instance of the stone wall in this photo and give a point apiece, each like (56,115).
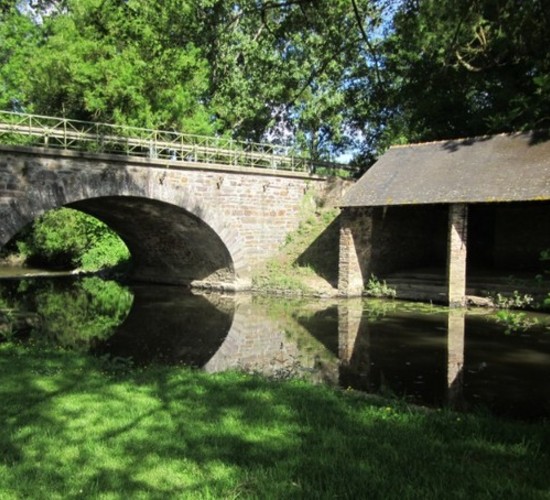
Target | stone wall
(408,237)
(355,250)
(162,210)
(382,240)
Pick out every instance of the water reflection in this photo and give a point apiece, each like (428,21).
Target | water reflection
(441,357)
(427,355)
(456,330)
(74,315)
(171,326)
(266,337)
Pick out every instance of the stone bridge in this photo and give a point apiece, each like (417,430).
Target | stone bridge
(184,222)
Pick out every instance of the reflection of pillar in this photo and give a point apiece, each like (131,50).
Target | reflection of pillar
(455,356)
(350,313)
(355,250)
(353,345)
(456,257)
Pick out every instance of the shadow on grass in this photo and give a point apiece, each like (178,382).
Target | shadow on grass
(73,427)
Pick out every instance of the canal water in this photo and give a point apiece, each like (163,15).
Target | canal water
(421,353)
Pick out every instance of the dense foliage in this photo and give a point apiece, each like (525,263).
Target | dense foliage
(254,70)
(456,69)
(70,316)
(66,238)
(323,76)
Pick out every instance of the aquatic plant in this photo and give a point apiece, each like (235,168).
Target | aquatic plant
(379,289)
(515,322)
(515,301)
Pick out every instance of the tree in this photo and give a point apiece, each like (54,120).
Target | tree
(280,68)
(452,69)
(101,60)
(251,69)
(67,238)
(19,38)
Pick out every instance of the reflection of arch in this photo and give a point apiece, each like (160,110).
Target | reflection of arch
(274,345)
(173,235)
(168,326)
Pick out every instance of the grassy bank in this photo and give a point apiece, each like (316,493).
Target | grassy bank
(307,262)
(73,426)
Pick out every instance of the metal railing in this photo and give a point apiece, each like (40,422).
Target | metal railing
(62,133)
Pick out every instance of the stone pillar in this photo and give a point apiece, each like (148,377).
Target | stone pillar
(456,256)
(455,357)
(355,250)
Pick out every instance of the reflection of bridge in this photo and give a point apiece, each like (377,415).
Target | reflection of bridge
(441,357)
(189,208)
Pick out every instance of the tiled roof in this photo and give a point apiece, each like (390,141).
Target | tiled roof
(499,168)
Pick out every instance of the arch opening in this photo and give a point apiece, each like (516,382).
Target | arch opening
(168,244)
(65,239)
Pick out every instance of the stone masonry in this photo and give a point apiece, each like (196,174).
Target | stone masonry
(381,240)
(456,265)
(355,250)
(192,223)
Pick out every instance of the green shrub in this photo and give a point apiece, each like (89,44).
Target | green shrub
(515,322)
(66,238)
(516,301)
(379,289)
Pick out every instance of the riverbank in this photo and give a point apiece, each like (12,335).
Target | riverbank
(307,262)
(79,426)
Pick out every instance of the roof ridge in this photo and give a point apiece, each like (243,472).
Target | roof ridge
(464,139)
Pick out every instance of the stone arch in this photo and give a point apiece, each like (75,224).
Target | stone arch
(168,244)
(183,230)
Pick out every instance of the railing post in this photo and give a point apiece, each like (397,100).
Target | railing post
(65,142)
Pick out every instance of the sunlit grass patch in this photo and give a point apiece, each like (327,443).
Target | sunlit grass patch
(76,429)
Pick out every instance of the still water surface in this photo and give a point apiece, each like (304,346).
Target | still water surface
(425,354)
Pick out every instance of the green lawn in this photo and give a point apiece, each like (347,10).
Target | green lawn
(76,427)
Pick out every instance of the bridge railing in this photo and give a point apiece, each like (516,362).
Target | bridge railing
(62,133)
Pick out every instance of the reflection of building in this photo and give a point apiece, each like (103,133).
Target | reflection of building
(456,329)
(424,211)
(274,344)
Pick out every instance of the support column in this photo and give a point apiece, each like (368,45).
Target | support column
(355,250)
(456,256)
